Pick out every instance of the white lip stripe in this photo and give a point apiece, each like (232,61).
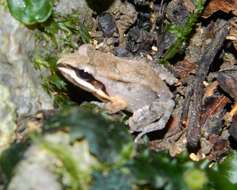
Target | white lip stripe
(83,84)
(72,73)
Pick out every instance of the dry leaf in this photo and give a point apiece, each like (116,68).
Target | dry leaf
(228,82)
(233,32)
(213,106)
(184,68)
(220,5)
(210,89)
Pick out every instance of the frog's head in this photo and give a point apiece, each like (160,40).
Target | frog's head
(79,60)
(78,69)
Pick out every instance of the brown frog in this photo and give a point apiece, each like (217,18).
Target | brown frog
(122,84)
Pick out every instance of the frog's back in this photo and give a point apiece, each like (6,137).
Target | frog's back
(129,71)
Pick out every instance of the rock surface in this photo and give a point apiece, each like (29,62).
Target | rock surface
(35,172)
(7,118)
(65,7)
(17,72)
(43,162)
(21,92)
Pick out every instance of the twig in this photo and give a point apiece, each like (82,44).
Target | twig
(192,106)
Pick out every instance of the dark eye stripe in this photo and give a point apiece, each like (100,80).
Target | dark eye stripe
(84,75)
(89,78)
(81,73)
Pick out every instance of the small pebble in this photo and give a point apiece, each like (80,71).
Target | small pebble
(107,24)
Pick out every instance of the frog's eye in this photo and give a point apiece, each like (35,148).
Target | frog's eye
(84,75)
(89,78)
(84,80)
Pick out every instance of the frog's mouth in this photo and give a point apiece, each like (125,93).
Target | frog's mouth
(85,81)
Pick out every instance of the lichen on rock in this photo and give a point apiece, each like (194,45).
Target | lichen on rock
(17,72)
(65,7)
(7,118)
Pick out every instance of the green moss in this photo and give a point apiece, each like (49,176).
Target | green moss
(59,34)
(183,33)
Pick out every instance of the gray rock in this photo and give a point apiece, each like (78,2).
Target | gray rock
(7,118)
(35,172)
(66,7)
(17,72)
(21,92)
(107,24)
(41,168)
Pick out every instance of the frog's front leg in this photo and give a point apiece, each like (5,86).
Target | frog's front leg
(115,104)
(151,117)
(112,104)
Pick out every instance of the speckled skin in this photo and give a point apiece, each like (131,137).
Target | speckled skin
(134,81)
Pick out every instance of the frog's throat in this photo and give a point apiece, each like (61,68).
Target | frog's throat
(84,84)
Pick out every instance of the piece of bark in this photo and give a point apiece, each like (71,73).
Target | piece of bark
(228,82)
(211,107)
(220,148)
(210,89)
(139,40)
(233,32)
(184,68)
(193,102)
(233,128)
(220,5)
